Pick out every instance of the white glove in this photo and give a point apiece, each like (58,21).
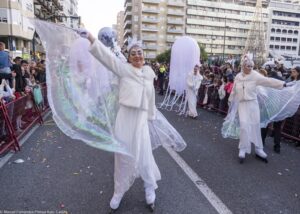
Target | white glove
(289,84)
(82,32)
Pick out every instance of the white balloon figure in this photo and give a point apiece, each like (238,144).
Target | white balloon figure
(185,54)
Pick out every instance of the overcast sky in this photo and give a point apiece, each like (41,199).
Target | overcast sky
(96,14)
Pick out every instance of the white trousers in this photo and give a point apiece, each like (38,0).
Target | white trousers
(132,129)
(249,117)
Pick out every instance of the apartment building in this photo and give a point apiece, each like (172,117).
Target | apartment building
(64,12)
(15,29)
(156,22)
(120,28)
(70,10)
(49,10)
(222,25)
(284,28)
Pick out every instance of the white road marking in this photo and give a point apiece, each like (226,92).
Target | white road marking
(199,183)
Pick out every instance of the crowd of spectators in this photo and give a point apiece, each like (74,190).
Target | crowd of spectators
(18,78)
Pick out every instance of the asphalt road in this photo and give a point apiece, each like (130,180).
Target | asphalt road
(61,175)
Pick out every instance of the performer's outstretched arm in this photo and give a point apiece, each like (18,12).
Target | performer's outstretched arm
(106,57)
(269,82)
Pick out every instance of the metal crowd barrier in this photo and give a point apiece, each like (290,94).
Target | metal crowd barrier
(290,126)
(18,117)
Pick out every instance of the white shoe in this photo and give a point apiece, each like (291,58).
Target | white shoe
(260,153)
(150,195)
(115,201)
(242,153)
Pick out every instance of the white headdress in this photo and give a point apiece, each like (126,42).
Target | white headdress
(132,41)
(247,59)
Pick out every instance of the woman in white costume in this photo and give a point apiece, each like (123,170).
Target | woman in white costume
(137,106)
(193,81)
(244,91)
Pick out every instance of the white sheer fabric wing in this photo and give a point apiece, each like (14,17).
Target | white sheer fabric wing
(231,125)
(185,54)
(163,133)
(81,93)
(276,105)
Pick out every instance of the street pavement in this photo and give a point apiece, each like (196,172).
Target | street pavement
(61,175)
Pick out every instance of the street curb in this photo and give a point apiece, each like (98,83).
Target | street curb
(6,158)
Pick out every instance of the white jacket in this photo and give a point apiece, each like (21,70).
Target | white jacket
(135,85)
(245,85)
(194,81)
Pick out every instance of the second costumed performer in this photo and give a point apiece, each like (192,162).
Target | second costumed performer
(244,95)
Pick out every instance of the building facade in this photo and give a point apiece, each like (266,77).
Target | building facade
(284,28)
(70,10)
(120,28)
(156,22)
(16,31)
(222,25)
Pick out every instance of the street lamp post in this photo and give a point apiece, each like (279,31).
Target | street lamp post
(224,39)
(213,38)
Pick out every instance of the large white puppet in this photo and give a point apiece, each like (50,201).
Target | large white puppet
(185,54)
(120,116)
(193,82)
(255,102)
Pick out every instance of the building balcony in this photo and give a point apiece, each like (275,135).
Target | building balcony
(176,12)
(150,56)
(180,31)
(150,29)
(175,21)
(127,32)
(171,39)
(126,1)
(177,3)
(128,6)
(151,1)
(127,24)
(127,16)
(150,10)
(150,47)
(37,12)
(149,38)
(150,20)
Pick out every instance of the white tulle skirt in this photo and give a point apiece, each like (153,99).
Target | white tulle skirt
(132,128)
(249,118)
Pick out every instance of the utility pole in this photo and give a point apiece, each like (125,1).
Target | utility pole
(212,42)
(224,39)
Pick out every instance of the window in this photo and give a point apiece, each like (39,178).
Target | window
(288,47)
(272,38)
(278,31)
(283,39)
(289,39)
(282,47)
(284,31)
(271,46)
(277,47)
(295,40)
(273,30)
(294,48)
(296,32)
(277,38)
